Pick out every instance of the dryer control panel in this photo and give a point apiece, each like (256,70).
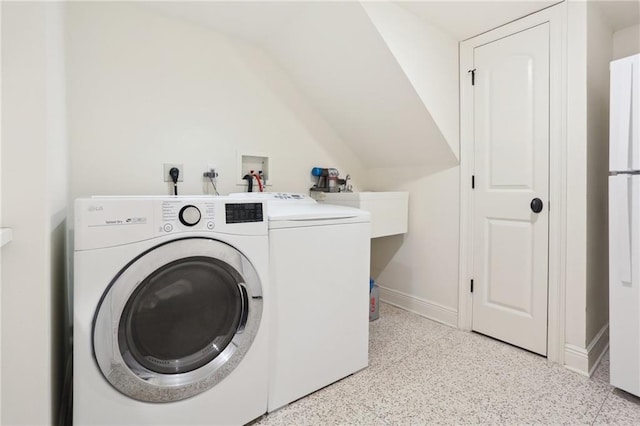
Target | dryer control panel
(280,197)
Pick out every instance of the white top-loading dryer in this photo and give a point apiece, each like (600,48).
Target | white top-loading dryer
(319,273)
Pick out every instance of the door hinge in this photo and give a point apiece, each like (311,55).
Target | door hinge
(473,76)
(472,286)
(473,181)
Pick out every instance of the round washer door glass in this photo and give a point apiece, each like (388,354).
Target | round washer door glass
(177,320)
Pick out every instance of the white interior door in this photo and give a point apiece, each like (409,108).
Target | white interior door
(511,169)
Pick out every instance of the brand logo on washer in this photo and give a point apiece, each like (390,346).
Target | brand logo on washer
(97,208)
(135,220)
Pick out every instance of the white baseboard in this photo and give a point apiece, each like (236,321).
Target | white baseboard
(585,360)
(598,347)
(576,359)
(422,307)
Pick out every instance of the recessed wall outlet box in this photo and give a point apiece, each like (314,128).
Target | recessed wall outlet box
(169,166)
(255,162)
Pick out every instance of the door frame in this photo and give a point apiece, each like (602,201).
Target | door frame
(556,17)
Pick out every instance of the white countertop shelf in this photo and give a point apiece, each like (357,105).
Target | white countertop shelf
(389,210)
(6,235)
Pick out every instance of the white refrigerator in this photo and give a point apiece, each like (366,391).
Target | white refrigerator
(624,224)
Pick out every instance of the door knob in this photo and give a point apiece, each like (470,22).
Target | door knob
(536,205)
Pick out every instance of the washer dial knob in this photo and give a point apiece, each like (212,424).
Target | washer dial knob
(189,215)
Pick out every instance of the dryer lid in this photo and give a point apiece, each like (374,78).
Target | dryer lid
(313,212)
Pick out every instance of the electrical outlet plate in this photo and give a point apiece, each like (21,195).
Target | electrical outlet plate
(210,168)
(169,166)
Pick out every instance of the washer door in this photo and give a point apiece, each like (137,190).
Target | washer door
(177,320)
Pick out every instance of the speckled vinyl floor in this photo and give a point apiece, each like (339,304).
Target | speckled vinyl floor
(422,372)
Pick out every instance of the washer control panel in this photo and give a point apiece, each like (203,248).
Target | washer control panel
(243,212)
(178,215)
(108,221)
(189,215)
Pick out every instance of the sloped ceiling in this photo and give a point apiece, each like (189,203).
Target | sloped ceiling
(337,57)
(334,54)
(429,59)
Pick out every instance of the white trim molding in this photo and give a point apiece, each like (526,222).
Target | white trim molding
(556,17)
(585,360)
(576,359)
(425,308)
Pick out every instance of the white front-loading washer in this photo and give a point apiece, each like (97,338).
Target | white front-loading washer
(170,311)
(319,275)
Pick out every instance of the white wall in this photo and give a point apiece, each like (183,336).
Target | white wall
(589,51)
(0,227)
(57,196)
(576,182)
(599,54)
(34,191)
(626,42)
(419,270)
(145,89)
